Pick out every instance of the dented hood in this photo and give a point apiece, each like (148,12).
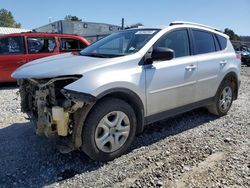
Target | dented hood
(60,65)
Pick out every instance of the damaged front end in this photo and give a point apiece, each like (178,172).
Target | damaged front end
(53,110)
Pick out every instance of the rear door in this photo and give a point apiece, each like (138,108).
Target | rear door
(39,47)
(171,83)
(210,62)
(12,56)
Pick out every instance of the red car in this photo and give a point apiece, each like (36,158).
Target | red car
(18,49)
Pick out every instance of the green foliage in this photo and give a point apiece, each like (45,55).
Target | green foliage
(7,19)
(72,18)
(232,35)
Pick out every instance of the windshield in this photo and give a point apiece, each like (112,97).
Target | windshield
(120,43)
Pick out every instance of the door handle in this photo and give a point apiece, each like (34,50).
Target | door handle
(223,62)
(190,67)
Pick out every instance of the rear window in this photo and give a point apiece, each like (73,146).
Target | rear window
(11,45)
(222,41)
(41,45)
(204,42)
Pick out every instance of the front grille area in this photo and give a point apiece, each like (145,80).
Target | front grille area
(39,97)
(33,89)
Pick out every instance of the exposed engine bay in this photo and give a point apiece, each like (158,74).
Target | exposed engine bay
(51,108)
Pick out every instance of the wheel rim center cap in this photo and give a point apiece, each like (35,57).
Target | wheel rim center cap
(112,130)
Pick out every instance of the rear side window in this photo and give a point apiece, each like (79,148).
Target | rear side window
(41,45)
(217,46)
(11,45)
(176,40)
(68,44)
(204,42)
(223,41)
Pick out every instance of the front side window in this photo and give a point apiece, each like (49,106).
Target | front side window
(11,45)
(120,43)
(68,44)
(41,45)
(204,42)
(176,40)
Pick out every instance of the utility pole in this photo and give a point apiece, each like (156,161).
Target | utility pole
(122,23)
(50,19)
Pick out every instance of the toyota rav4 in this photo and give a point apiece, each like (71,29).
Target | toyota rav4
(99,99)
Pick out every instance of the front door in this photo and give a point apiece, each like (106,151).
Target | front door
(171,83)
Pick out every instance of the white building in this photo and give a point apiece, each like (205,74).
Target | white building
(9,30)
(90,30)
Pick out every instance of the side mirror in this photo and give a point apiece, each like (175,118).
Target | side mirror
(162,54)
(157,54)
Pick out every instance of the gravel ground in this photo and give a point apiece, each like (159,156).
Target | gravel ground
(195,149)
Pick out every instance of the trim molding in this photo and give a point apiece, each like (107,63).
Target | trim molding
(163,115)
(172,87)
(208,78)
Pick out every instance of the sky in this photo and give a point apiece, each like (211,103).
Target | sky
(233,14)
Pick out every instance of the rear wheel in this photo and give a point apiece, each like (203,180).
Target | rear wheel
(109,129)
(223,99)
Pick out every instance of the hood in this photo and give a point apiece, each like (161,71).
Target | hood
(60,65)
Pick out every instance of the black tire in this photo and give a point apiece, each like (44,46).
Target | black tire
(215,107)
(99,111)
(247,63)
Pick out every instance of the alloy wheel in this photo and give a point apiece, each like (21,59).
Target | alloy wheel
(225,99)
(112,131)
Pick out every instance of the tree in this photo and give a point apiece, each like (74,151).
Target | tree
(72,18)
(7,19)
(231,34)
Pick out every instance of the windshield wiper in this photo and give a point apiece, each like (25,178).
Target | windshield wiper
(94,55)
(101,55)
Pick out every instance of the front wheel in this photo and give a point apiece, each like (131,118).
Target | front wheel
(109,129)
(223,99)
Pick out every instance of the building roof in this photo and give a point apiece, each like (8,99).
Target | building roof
(9,30)
(98,23)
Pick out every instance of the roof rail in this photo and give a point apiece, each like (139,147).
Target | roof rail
(195,24)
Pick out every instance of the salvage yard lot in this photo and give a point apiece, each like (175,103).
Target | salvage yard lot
(195,149)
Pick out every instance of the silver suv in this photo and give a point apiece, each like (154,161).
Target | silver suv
(99,99)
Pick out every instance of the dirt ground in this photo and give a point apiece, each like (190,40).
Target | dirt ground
(194,149)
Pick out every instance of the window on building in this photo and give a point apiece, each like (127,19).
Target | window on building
(41,45)
(204,42)
(68,44)
(176,40)
(12,45)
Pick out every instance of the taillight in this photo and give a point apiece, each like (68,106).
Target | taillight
(75,53)
(238,56)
